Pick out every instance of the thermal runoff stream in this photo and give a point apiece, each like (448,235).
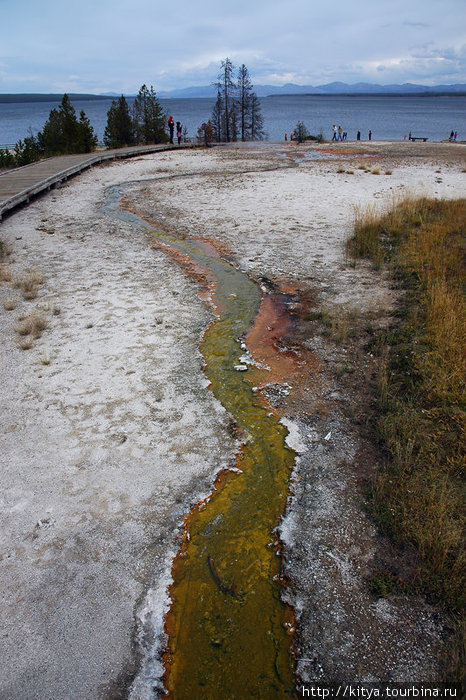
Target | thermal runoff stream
(228,629)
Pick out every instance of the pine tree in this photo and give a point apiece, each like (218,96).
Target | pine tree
(237,112)
(86,137)
(62,133)
(217,118)
(233,120)
(301,132)
(244,102)
(27,151)
(119,128)
(51,138)
(148,117)
(257,132)
(227,89)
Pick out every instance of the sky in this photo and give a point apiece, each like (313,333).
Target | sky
(101,46)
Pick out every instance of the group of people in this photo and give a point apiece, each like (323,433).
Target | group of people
(171,129)
(453,136)
(338,133)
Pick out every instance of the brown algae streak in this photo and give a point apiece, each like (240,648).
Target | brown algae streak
(228,628)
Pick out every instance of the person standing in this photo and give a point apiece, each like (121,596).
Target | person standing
(358,136)
(178,132)
(334,137)
(370,135)
(171,127)
(340,132)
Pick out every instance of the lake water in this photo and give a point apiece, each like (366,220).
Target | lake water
(389,117)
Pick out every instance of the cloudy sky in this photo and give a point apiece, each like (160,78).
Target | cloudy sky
(116,45)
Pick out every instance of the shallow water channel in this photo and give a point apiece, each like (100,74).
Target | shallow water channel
(228,629)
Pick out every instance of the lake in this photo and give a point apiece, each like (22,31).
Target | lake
(389,117)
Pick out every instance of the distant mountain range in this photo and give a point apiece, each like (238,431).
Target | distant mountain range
(336,88)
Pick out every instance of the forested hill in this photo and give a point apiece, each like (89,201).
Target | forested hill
(39,97)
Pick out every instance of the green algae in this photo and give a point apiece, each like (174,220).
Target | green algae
(227,625)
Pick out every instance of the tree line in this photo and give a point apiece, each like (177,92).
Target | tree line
(64,133)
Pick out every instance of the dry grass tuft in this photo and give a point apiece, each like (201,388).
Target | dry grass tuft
(32,325)
(9,303)
(28,282)
(25,343)
(5,274)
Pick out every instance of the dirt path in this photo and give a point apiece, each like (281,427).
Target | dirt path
(109,436)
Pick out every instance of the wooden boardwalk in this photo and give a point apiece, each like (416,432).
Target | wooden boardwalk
(19,185)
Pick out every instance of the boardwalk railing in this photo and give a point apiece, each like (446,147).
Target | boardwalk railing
(23,183)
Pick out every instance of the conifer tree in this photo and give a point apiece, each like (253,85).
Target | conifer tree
(244,102)
(27,151)
(217,118)
(251,119)
(62,133)
(257,132)
(119,128)
(86,137)
(148,117)
(227,90)
(301,132)
(237,112)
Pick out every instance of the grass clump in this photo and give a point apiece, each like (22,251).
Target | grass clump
(28,282)
(419,495)
(32,325)
(338,324)
(366,240)
(9,303)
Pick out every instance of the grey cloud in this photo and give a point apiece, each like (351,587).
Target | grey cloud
(181,44)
